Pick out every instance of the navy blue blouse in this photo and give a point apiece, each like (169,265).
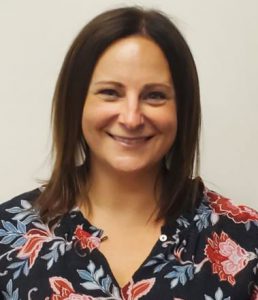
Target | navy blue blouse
(208,254)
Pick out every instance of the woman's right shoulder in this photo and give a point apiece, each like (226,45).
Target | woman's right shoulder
(18,204)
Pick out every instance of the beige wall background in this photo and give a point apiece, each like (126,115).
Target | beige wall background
(223,36)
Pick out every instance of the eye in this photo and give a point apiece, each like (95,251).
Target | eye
(156,97)
(109,92)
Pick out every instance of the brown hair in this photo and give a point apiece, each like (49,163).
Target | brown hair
(179,191)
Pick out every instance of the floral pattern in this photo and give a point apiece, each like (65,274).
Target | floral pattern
(227,257)
(86,240)
(216,242)
(34,241)
(134,291)
(239,214)
(63,290)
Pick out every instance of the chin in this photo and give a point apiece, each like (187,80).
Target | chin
(133,166)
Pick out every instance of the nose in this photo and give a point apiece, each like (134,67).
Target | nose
(131,115)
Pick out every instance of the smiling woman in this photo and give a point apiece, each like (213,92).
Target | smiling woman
(130,122)
(124,215)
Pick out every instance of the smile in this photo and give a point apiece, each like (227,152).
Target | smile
(130,141)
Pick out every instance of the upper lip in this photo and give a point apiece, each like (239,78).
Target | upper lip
(130,137)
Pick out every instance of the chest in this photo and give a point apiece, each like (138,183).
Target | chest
(80,271)
(126,255)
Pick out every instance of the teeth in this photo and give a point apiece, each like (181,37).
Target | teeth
(130,141)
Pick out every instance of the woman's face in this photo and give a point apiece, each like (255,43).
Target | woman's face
(129,117)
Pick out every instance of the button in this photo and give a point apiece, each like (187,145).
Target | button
(163,238)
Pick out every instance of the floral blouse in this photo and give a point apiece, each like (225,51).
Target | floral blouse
(208,254)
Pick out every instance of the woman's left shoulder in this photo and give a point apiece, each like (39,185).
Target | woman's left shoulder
(237,221)
(221,205)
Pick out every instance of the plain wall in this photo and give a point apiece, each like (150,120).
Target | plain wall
(223,36)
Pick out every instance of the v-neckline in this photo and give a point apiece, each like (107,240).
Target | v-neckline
(94,230)
(151,253)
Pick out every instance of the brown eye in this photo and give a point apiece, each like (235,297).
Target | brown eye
(109,92)
(155,97)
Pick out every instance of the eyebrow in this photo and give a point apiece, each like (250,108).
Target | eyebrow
(148,85)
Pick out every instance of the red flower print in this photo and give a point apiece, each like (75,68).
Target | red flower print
(134,291)
(227,257)
(238,213)
(35,238)
(64,290)
(86,239)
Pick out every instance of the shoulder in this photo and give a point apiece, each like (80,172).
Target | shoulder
(223,206)
(22,203)
(221,220)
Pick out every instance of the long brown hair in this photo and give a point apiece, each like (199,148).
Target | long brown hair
(179,190)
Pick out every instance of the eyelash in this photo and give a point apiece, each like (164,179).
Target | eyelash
(158,96)
(108,92)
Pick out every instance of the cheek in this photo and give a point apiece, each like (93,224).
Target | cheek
(170,120)
(170,130)
(96,116)
(168,127)
(166,121)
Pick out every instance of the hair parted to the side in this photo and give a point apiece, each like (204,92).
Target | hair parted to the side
(179,191)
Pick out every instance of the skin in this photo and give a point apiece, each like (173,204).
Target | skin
(129,117)
(129,122)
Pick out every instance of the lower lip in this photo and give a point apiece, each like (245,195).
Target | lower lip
(130,142)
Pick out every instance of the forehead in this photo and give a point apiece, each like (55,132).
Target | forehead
(136,56)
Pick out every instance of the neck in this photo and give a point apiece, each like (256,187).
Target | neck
(110,192)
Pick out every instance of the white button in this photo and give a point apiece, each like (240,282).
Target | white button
(163,238)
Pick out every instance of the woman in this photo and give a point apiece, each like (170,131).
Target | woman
(124,214)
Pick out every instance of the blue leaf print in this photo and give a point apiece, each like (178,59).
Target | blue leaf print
(27,220)
(202,217)
(8,239)
(15,265)
(158,268)
(17,273)
(94,281)
(85,275)
(159,261)
(53,256)
(21,227)
(15,294)
(11,233)
(20,266)
(181,221)
(91,267)
(10,294)
(9,226)
(14,210)
(179,274)
(25,213)
(190,272)
(26,204)
(106,282)
(9,287)
(174,283)
(156,259)
(19,242)
(90,285)
(99,273)
(218,296)
(2,232)
(115,293)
